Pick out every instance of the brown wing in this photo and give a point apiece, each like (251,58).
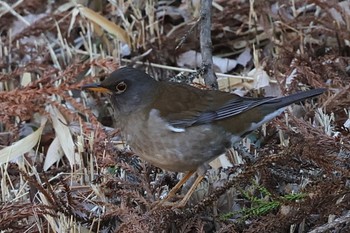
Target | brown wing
(184,106)
(191,106)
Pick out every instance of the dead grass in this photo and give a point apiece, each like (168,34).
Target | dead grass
(63,171)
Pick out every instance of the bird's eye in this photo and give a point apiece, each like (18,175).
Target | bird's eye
(121,87)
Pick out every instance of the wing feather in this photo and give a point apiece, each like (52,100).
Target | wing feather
(191,106)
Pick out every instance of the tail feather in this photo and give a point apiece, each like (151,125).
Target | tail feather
(297,97)
(275,106)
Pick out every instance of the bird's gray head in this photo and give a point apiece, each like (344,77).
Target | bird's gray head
(129,89)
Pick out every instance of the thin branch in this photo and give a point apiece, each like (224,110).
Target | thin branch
(206,44)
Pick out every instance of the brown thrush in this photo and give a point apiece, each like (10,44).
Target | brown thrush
(180,128)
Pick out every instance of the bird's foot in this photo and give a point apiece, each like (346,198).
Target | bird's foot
(166,203)
(184,200)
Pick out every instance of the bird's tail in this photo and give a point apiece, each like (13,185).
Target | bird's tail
(296,97)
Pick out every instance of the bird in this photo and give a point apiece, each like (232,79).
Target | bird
(181,128)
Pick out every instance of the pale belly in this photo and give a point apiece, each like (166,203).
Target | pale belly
(177,151)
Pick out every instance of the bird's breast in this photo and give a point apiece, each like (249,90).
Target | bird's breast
(171,148)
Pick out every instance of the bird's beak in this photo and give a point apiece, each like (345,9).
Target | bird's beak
(96,88)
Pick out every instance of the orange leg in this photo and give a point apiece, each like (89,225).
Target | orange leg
(184,200)
(175,189)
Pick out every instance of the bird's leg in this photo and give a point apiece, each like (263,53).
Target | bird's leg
(185,199)
(175,189)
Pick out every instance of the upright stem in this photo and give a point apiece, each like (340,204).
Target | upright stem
(206,44)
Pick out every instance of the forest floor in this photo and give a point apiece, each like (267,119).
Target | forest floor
(64,167)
